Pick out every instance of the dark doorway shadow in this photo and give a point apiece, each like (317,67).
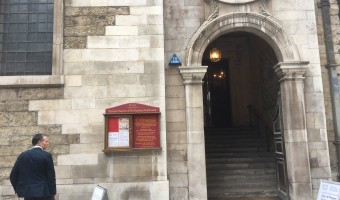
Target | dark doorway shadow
(216,90)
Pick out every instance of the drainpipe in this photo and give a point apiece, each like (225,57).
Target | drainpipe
(333,78)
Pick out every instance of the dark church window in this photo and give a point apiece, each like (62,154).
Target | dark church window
(26,37)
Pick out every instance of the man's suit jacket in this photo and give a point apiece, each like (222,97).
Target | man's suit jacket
(33,174)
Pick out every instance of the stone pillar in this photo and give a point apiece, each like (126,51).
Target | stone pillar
(291,76)
(193,76)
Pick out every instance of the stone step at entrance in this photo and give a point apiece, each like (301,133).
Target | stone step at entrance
(239,166)
(250,198)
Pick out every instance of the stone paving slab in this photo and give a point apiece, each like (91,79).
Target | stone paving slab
(249,198)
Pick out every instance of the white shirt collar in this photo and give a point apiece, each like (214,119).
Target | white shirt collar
(37,147)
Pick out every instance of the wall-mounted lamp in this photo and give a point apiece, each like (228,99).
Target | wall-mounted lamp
(215,55)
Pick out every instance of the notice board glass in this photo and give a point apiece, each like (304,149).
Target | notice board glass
(118,131)
(132,127)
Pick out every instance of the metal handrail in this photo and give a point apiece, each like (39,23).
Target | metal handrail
(263,130)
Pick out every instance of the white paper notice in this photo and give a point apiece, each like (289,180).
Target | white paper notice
(124,132)
(123,124)
(329,190)
(113,139)
(124,138)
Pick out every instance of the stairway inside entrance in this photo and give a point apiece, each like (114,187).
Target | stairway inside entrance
(239,167)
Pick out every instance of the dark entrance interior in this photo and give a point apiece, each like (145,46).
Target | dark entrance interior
(243,79)
(217,94)
(240,95)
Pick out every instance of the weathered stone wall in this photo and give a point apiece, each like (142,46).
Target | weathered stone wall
(18,125)
(176,135)
(181,20)
(297,19)
(81,22)
(113,54)
(335,26)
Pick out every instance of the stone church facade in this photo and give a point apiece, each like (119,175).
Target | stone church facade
(107,53)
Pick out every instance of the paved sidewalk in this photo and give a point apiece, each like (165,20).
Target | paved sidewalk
(250,198)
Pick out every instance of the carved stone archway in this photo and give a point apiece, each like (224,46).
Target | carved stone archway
(290,70)
(263,26)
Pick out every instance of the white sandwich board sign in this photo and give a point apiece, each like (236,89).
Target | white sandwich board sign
(99,193)
(329,190)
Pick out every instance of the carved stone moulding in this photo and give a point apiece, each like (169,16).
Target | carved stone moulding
(236,1)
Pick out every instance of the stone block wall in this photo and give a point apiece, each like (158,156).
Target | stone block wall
(18,124)
(335,26)
(181,20)
(176,135)
(113,54)
(81,22)
(297,19)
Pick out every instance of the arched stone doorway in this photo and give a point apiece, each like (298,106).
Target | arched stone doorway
(239,96)
(289,69)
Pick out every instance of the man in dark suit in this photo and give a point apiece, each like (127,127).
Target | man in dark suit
(33,175)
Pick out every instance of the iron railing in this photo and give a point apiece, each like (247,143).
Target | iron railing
(263,130)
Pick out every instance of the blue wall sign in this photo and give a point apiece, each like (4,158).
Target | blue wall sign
(175,60)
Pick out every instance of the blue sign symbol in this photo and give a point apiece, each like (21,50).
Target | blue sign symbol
(175,60)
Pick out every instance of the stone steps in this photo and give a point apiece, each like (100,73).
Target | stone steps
(228,155)
(254,193)
(238,165)
(249,165)
(230,159)
(248,198)
(241,178)
(237,171)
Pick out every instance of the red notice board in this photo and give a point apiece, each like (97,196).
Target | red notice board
(132,126)
(146,131)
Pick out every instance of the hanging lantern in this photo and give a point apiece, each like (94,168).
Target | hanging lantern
(215,55)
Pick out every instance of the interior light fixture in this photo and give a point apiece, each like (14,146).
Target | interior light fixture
(215,55)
